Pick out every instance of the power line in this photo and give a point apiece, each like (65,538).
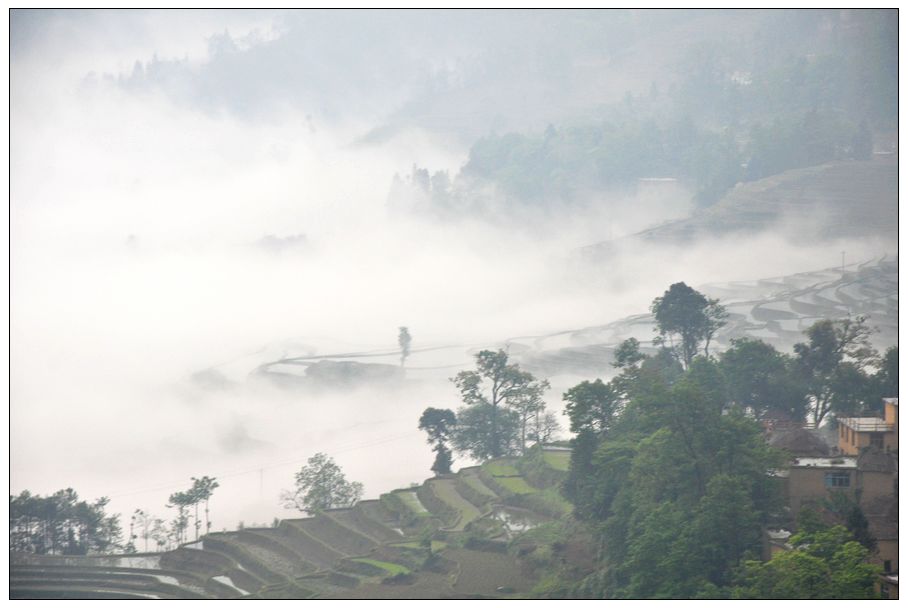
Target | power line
(261,468)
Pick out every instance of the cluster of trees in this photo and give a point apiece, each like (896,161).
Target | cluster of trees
(827,562)
(503,414)
(61,524)
(669,464)
(733,111)
(321,485)
(200,491)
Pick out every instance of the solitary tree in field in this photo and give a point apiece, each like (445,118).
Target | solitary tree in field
(321,485)
(404,340)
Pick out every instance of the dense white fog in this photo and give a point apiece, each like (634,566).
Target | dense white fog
(137,223)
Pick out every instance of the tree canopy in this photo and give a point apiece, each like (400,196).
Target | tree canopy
(439,425)
(686,313)
(61,523)
(501,401)
(321,485)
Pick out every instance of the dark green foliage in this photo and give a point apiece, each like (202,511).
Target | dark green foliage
(677,485)
(502,401)
(833,363)
(827,563)
(443,460)
(628,353)
(763,380)
(439,425)
(485,432)
(61,524)
(686,313)
(321,485)
(591,406)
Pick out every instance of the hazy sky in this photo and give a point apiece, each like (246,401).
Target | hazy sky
(139,192)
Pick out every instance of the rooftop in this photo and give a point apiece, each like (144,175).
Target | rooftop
(838,462)
(867,424)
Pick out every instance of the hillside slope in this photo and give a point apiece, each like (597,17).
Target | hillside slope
(849,199)
(450,537)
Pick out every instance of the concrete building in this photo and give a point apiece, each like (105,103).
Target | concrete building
(856,434)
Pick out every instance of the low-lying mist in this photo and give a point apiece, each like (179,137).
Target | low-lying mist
(137,260)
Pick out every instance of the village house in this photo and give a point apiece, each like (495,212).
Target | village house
(856,434)
(863,466)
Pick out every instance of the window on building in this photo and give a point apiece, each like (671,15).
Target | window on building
(838,479)
(876,440)
(887,566)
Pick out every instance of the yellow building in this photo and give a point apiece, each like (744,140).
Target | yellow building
(856,434)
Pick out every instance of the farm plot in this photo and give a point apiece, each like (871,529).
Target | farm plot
(501,468)
(338,537)
(428,585)
(447,492)
(276,558)
(517,485)
(357,520)
(471,478)
(559,460)
(389,568)
(410,499)
(483,573)
(312,550)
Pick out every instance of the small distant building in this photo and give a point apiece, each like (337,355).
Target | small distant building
(857,434)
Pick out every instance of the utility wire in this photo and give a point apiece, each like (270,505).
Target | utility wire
(273,465)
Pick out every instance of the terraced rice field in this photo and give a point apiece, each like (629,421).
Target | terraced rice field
(517,485)
(500,468)
(446,490)
(482,573)
(389,567)
(344,553)
(471,478)
(412,501)
(559,460)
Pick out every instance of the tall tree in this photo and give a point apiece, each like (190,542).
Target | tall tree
(496,392)
(321,485)
(833,363)
(404,340)
(203,489)
(686,313)
(181,501)
(826,563)
(763,380)
(439,425)
(592,406)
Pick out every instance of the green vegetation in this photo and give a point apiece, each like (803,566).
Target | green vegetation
(390,568)
(504,408)
(517,485)
(826,563)
(560,460)
(436,545)
(320,485)
(501,469)
(439,425)
(61,524)
(412,502)
(670,471)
